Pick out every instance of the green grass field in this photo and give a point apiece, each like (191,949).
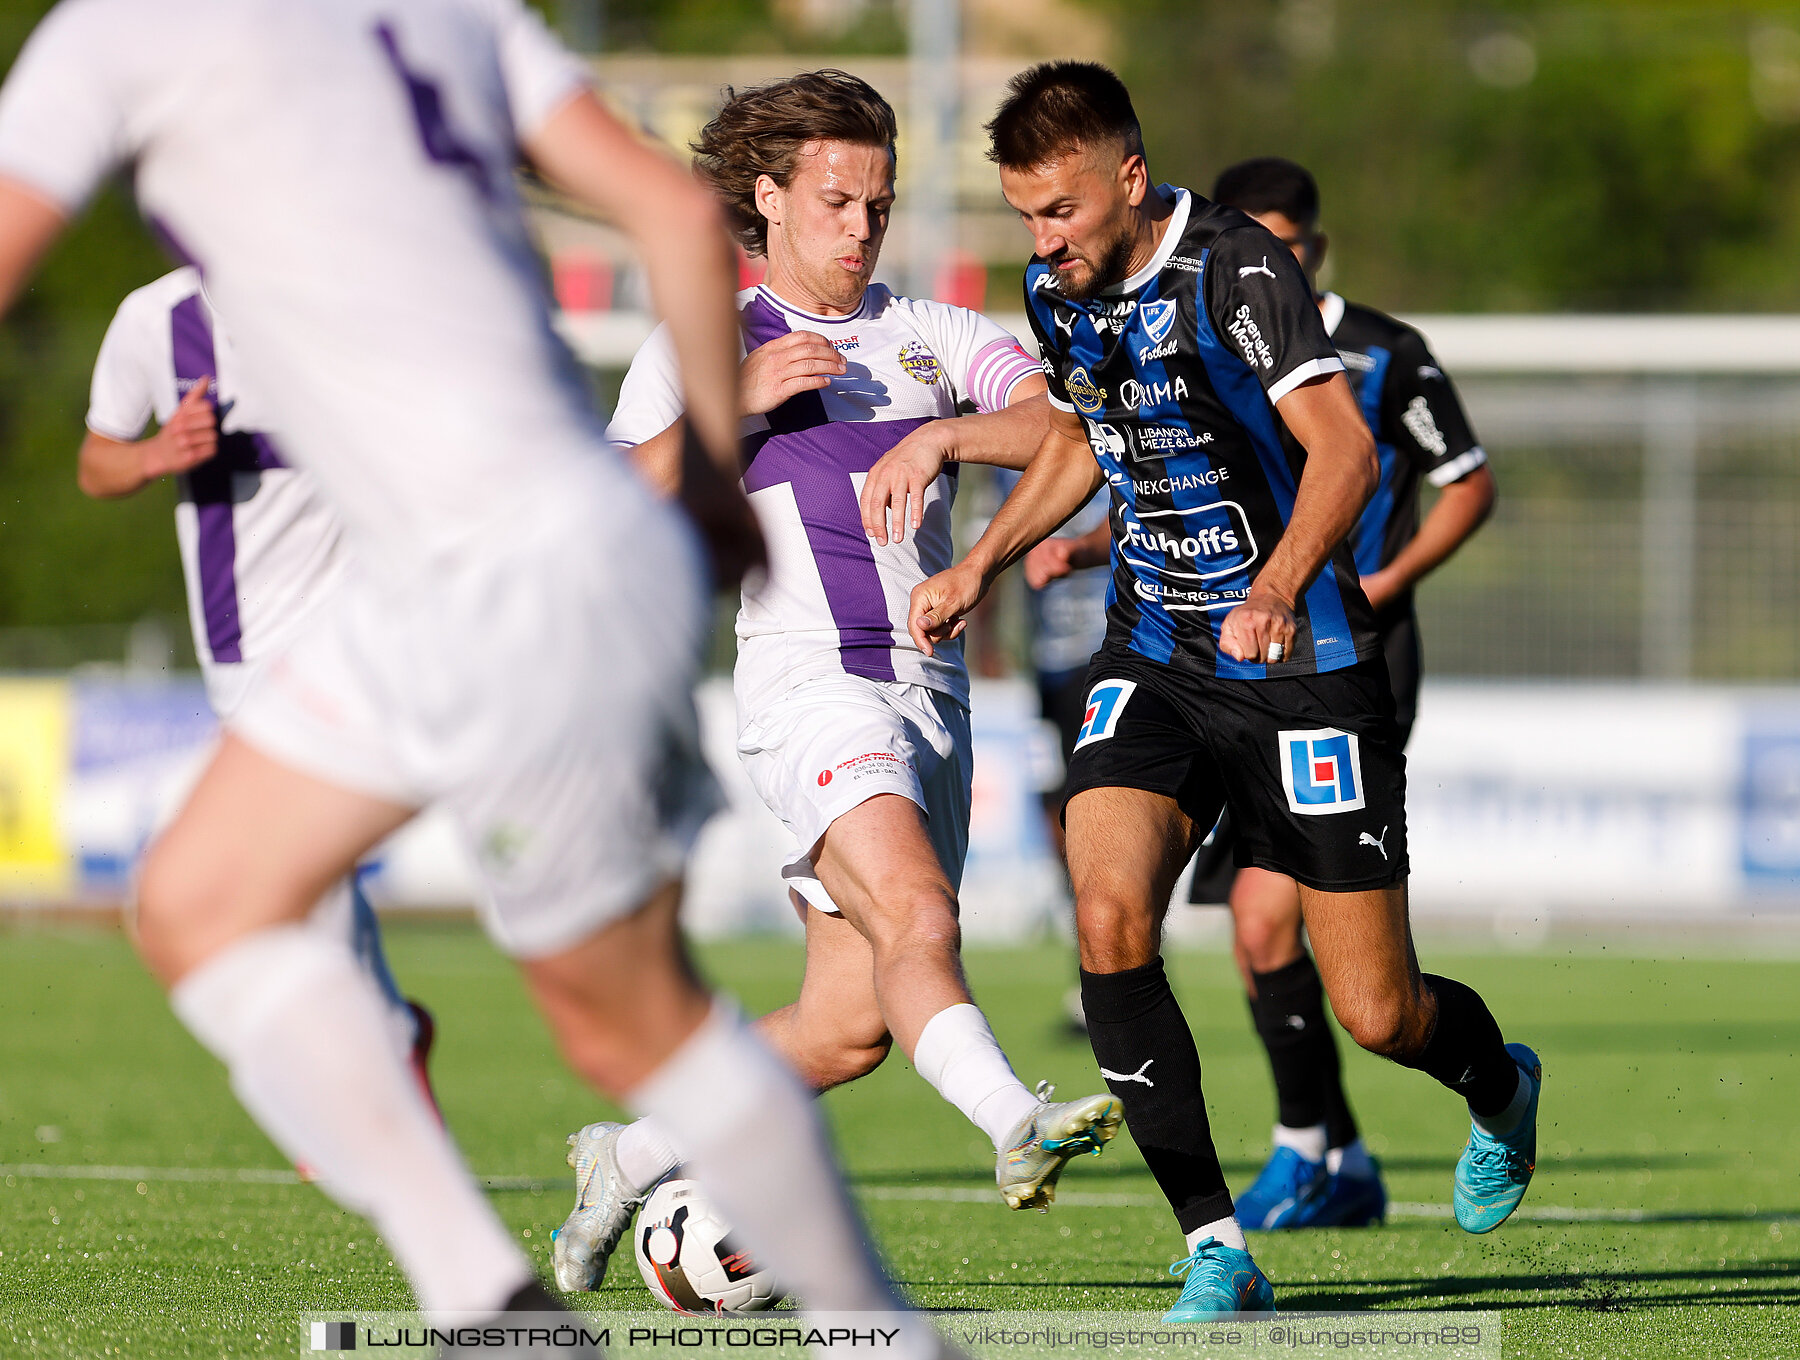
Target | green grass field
(1664,1221)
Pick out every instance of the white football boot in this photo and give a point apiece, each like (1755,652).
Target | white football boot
(604,1204)
(1042,1143)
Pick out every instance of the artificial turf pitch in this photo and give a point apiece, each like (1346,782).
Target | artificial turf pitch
(1670,1095)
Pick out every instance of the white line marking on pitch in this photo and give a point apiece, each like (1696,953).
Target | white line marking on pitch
(933,1194)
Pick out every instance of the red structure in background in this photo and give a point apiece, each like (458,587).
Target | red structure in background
(583,283)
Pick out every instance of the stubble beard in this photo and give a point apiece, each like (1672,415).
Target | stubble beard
(1108,269)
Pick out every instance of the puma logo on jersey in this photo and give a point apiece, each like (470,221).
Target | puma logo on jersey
(1367,839)
(1065,324)
(1263,268)
(1135,1076)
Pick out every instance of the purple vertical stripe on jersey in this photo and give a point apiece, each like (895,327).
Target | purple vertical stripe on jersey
(210,488)
(816,457)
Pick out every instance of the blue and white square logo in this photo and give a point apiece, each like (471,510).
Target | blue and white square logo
(1321,770)
(1106,701)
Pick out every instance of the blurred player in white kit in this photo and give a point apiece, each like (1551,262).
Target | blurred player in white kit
(517,631)
(855,739)
(260,548)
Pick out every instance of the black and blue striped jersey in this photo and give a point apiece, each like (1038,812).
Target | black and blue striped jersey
(1175,373)
(1421,430)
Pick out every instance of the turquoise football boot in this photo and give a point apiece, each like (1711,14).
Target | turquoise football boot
(1220,1280)
(1492,1173)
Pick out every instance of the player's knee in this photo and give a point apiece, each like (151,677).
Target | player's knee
(847,1062)
(926,924)
(1266,942)
(175,892)
(1115,931)
(1390,1026)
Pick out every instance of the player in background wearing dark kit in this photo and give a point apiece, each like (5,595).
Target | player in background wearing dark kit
(1320,1175)
(1241,669)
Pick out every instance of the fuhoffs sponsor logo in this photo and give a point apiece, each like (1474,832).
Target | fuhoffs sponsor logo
(1201,544)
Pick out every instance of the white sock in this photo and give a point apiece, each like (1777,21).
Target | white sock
(1309,1143)
(1503,1123)
(306,1038)
(1225,1232)
(645,1154)
(1351,1160)
(751,1134)
(958,1054)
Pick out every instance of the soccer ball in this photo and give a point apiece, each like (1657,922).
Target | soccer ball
(685,1255)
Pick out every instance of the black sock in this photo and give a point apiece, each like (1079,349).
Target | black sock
(1289,1014)
(1146,1051)
(1465,1050)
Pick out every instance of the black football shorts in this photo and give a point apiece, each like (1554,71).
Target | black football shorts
(1215,864)
(1309,767)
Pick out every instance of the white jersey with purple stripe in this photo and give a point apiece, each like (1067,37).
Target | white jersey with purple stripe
(259,546)
(835,602)
(342,172)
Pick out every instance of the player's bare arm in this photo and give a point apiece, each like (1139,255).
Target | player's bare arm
(1061,478)
(28,224)
(1005,438)
(679,231)
(1460,509)
(1341,474)
(1055,558)
(110,468)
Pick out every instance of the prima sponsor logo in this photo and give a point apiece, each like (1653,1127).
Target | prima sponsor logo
(1250,340)
(1423,427)
(1088,398)
(1186,262)
(1138,395)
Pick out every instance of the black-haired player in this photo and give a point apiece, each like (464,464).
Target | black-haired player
(1319,1174)
(1242,667)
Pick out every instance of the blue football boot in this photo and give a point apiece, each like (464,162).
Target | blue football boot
(1220,1280)
(1492,1173)
(1283,1181)
(1337,1201)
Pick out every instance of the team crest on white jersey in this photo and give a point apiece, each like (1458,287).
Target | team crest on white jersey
(920,363)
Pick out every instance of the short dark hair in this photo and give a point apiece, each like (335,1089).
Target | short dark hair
(1058,107)
(1269,184)
(762,130)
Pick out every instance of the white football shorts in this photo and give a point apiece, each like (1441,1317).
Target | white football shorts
(541,688)
(834,742)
